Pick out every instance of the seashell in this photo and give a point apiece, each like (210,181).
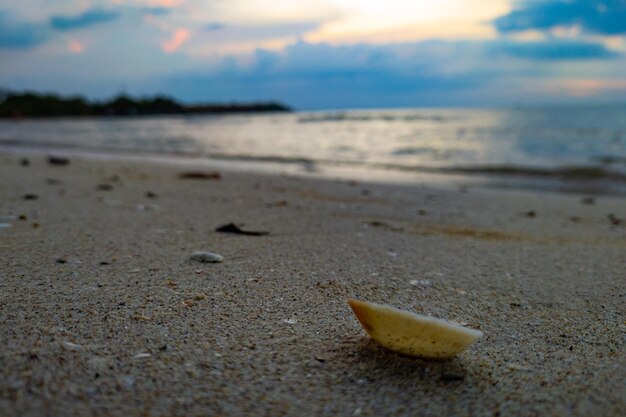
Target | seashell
(206,257)
(412,334)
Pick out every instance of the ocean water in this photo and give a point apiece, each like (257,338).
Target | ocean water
(586,142)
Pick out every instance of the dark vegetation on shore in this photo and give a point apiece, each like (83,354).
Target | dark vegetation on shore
(30,104)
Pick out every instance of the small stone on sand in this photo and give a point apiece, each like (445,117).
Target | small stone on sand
(206,257)
(58,160)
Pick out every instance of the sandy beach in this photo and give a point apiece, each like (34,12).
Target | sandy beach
(104,314)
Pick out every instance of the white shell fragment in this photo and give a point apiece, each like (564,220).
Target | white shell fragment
(411,334)
(142,355)
(206,257)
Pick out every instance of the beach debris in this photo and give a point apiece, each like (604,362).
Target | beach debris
(187,303)
(452,376)
(150,194)
(383,225)
(200,175)
(424,283)
(58,160)
(280,203)
(60,261)
(206,257)
(412,334)
(201,296)
(24,162)
(105,187)
(30,197)
(142,355)
(147,207)
(422,212)
(141,317)
(233,228)
(588,200)
(531,213)
(615,221)
(71,346)
(290,321)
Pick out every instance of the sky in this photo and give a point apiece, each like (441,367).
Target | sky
(320,54)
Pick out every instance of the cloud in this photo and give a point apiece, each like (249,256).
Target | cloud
(86,19)
(213,26)
(179,37)
(552,50)
(605,17)
(156,10)
(325,76)
(76,47)
(588,87)
(16,34)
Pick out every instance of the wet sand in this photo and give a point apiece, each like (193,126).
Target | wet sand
(103,313)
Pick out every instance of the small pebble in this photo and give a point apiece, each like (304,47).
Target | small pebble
(30,197)
(206,257)
(150,194)
(60,261)
(24,162)
(58,160)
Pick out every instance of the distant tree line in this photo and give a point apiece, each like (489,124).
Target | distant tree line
(29,104)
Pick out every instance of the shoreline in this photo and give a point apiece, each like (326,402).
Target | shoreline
(569,180)
(105,314)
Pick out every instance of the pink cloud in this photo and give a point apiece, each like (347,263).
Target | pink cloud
(589,87)
(179,37)
(167,3)
(76,47)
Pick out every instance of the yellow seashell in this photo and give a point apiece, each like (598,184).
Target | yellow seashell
(411,334)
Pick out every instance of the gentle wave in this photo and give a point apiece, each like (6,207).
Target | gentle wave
(356,117)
